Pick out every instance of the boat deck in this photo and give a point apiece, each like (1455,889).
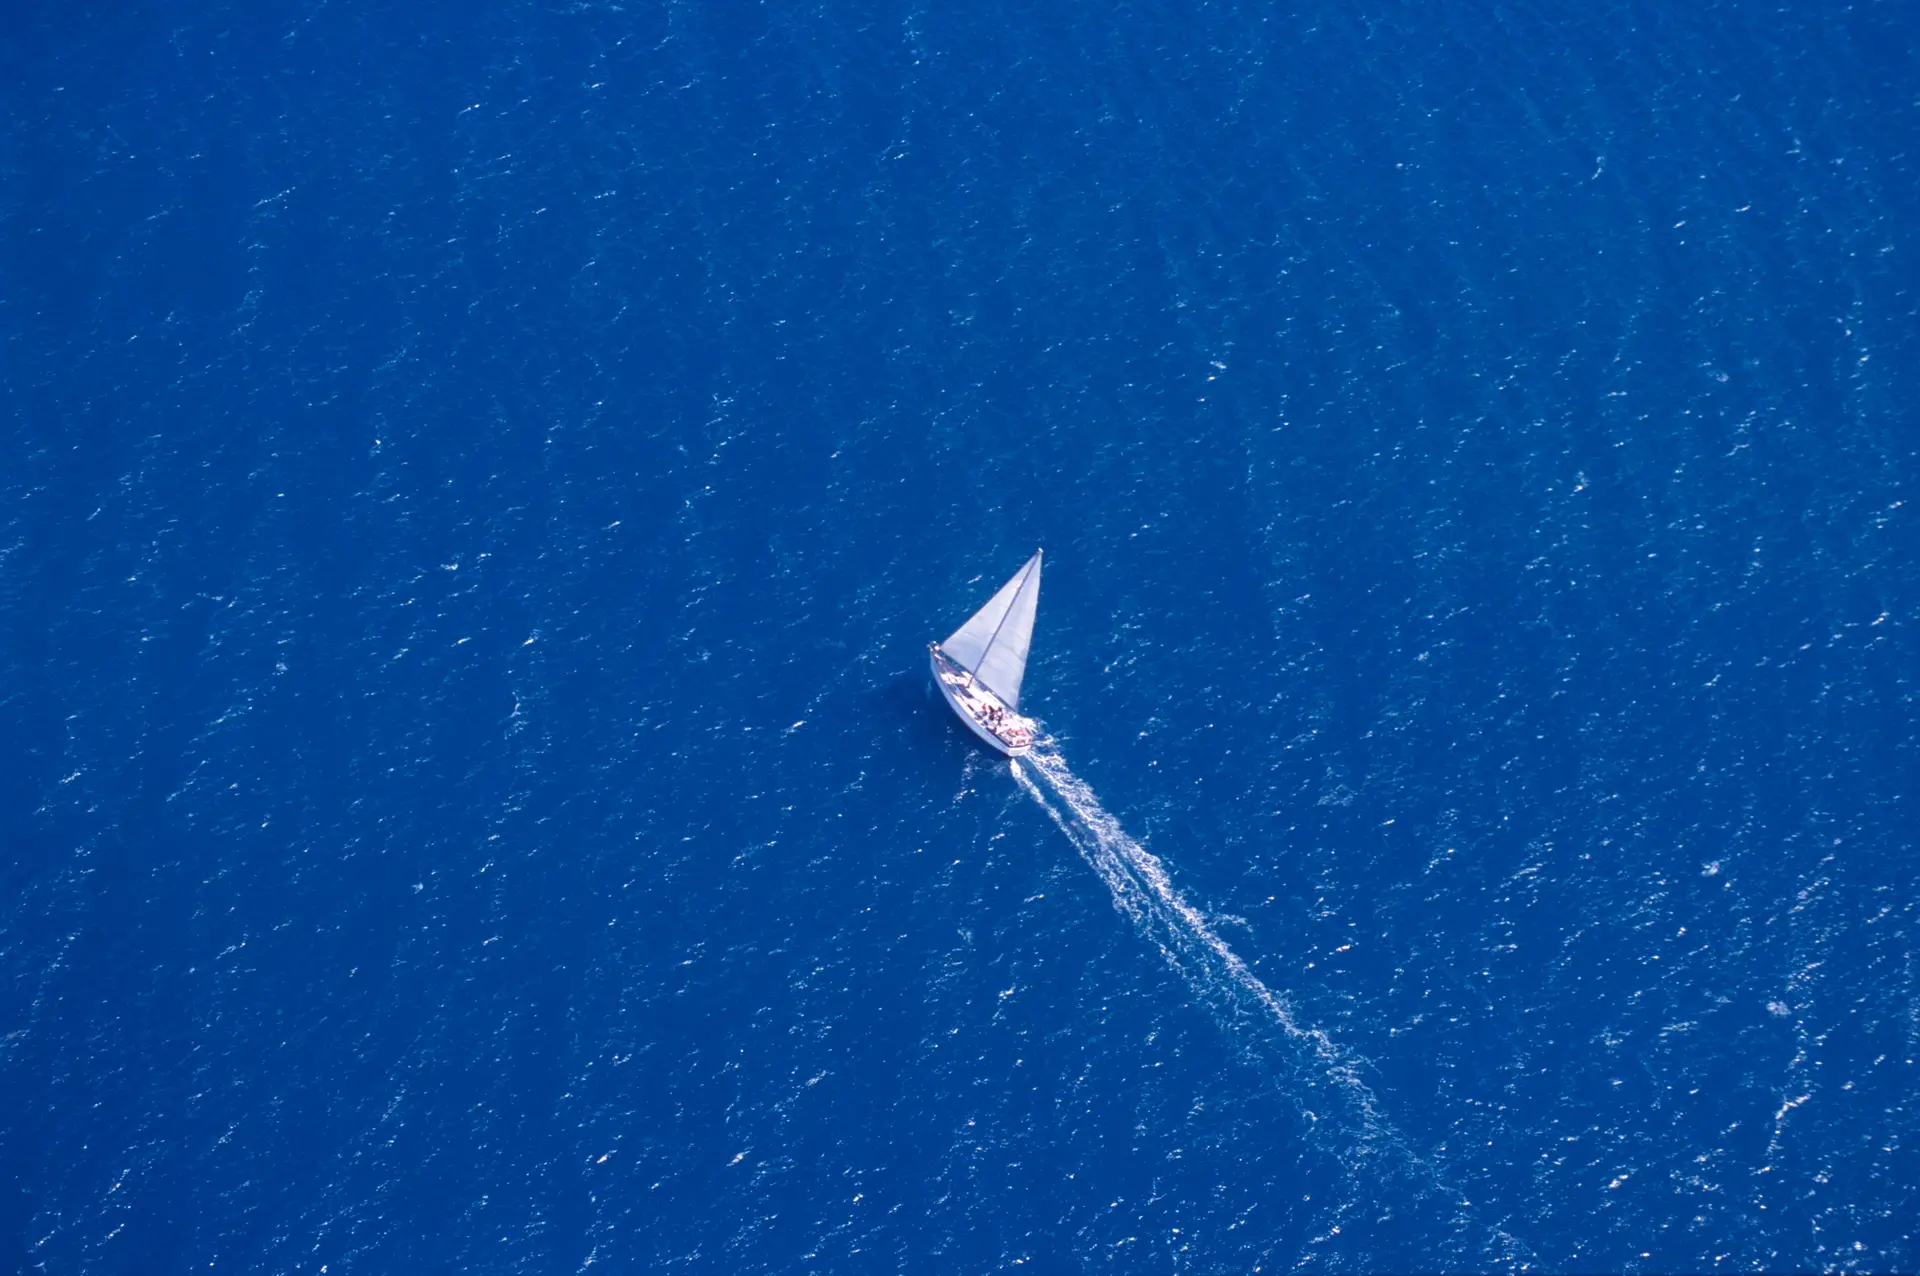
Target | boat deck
(992,720)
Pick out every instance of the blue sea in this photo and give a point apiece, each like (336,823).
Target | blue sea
(477,483)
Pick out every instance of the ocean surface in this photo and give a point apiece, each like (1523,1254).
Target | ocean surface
(477,483)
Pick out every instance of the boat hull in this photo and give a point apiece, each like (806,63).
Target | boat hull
(961,701)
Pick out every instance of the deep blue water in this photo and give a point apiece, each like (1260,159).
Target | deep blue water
(476,485)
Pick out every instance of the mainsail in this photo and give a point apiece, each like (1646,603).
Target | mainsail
(992,645)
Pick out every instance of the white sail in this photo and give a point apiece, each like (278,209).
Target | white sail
(993,644)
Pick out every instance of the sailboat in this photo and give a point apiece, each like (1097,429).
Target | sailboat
(980,665)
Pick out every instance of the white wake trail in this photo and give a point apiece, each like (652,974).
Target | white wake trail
(1375,1152)
(1143,891)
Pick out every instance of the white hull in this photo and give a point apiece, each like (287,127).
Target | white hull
(969,702)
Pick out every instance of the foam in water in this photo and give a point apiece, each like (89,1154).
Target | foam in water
(1142,890)
(1324,1077)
